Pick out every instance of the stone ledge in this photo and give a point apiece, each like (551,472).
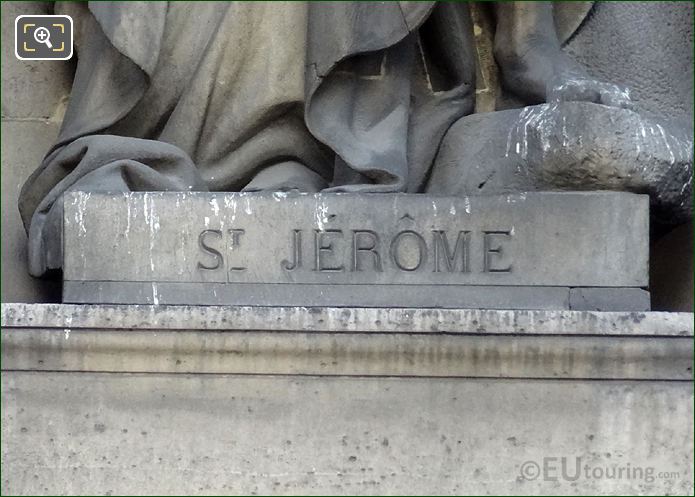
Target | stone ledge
(347,319)
(348,342)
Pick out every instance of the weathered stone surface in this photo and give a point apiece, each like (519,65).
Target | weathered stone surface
(645,48)
(436,355)
(351,250)
(31,89)
(472,297)
(91,433)
(69,429)
(602,299)
(23,145)
(215,293)
(402,342)
(569,146)
(358,320)
(34,94)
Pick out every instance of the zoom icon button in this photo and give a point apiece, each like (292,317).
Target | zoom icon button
(43,37)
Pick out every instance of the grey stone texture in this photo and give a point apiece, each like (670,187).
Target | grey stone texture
(325,353)
(23,144)
(647,49)
(238,434)
(351,249)
(345,341)
(31,89)
(348,294)
(355,320)
(34,95)
(569,146)
(604,299)
(71,427)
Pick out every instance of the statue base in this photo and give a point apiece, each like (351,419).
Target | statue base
(572,250)
(235,400)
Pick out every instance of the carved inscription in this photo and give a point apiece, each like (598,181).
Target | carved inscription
(206,244)
(362,250)
(340,248)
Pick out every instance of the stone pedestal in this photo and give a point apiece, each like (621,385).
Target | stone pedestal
(167,399)
(583,251)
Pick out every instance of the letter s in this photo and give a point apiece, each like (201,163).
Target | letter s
(209,250)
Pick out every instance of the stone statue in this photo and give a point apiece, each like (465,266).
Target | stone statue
(342,96)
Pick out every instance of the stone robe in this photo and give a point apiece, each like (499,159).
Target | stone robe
(225,96)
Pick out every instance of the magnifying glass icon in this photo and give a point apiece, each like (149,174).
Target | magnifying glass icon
(43,35)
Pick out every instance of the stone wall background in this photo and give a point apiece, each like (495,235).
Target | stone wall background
(34,96)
